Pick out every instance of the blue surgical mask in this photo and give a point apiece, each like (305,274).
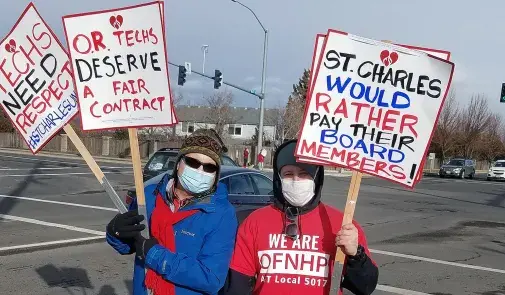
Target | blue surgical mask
(196,181)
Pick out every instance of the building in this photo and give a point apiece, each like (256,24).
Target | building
(240,128)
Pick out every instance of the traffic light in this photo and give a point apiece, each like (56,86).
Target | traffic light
(502,97)
(182,75)
(218,79)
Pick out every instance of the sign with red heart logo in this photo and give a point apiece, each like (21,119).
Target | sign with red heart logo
(388,58)
(353,97)
(133,90)
(11,46)
(116,21)
(41,111)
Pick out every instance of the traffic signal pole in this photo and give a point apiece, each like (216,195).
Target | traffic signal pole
(224,82)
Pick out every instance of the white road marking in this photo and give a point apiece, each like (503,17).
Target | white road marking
(60,203)
(62,174)
(398,290)
(438,261)
(41,159)
(51,224)
(51,243)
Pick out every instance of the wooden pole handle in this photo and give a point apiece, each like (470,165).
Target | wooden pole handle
(350,206)
(79,145)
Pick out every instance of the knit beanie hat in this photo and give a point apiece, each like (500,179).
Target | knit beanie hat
(204,141)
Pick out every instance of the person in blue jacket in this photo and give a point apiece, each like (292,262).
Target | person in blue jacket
(191,222)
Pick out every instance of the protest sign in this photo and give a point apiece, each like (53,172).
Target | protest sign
(316,54)
(120,64)
(372,106)
(36,89)
(38,92)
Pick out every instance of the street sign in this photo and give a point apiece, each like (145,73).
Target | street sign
(187,65)
(502,97)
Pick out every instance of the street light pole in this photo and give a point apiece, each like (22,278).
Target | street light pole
(263,80)
(205,49)
(263,86)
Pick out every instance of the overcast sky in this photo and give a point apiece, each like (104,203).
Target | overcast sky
(473,32)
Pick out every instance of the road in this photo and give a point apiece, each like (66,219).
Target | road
(445,237)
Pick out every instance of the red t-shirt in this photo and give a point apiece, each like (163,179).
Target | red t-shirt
(284,266)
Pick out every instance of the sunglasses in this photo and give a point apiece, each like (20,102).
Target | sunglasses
(291,228)
(195,164)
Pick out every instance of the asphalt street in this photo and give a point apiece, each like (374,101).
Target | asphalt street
(447,236)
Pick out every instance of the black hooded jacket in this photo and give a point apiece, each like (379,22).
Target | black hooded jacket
(360,277)
(279,201)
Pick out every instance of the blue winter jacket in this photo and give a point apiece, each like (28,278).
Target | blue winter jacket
(204,244)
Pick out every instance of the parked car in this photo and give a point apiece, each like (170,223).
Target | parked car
(164,160)
(497,171)
(248,189)
(458,167)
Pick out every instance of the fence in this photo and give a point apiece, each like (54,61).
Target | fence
(110,147)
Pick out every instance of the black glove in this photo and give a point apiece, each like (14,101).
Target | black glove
(143,245)
(126,226)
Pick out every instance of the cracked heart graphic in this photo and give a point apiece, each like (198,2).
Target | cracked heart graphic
(11,46)
(388,58)
(116,21)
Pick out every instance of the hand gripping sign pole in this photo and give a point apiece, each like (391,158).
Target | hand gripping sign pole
(137,174)
(94,168)
(350,206)
(137,165)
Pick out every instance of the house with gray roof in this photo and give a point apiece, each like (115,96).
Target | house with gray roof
(240,123)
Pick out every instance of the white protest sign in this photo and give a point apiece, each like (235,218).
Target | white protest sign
(373,106)
(318,47)
(120,64)
(36,89)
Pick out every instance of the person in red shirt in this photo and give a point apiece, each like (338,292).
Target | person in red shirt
(289,247)
(246,157)
(261,161)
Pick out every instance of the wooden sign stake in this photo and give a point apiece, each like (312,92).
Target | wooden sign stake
(94,168)
(137,174)
(350,206)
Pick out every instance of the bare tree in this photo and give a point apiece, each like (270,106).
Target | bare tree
(473,122)
(491,143)
(152,132)
(220,113)
(447,126)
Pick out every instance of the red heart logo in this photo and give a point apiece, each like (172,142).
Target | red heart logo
(11,46)
(388,58)
(116,21)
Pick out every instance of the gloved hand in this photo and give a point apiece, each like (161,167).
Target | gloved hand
(126,226)
(143,245)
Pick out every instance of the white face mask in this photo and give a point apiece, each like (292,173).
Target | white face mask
(299,192)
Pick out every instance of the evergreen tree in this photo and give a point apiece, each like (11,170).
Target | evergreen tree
(295,107)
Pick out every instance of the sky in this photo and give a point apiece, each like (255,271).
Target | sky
(473,33)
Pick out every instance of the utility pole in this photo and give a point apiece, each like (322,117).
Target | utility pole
(263,79)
